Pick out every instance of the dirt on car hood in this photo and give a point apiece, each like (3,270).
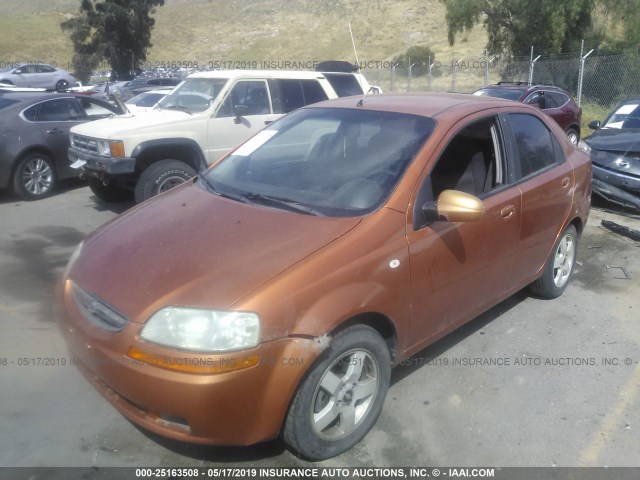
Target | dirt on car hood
(189,247)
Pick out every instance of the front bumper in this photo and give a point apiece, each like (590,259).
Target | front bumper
(630,183)
(616,187)
(101,167)
(240,407)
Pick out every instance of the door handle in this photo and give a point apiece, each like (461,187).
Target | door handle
(508,212)
(565,182)
(54,131)
(268,122)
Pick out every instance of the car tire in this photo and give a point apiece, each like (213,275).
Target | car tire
(162,176)
(356,364)
(34,176)
(62,86)
(109,193)
(559,267)
(573,135)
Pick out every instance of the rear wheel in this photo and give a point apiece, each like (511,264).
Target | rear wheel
(109,193)
(62,86)
(341,398)
(162,176)
(34,176)
(559,267)
(573,135)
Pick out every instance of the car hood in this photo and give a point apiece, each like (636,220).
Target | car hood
(616,150)
(615,140)
(121,126)
(189,247)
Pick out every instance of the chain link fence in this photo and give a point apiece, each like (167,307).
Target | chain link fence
(593,77)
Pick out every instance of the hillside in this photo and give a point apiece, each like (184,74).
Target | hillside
(206,31)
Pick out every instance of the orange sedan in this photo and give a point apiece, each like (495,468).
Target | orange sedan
(273,294)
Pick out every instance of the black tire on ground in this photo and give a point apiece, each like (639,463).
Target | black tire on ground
(573,135)
(109,193)
(559,267)
(34,176)
(341,397)
(62,86)
(162,176)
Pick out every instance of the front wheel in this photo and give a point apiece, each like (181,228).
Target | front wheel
(559,266)
(342,396)
(162,176)
(34,177)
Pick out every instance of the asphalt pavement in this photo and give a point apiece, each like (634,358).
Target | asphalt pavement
(529,383)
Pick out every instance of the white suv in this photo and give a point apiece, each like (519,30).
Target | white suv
(197,123)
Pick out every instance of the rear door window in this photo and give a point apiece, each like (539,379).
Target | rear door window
(534,144)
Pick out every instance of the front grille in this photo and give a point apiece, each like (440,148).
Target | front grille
(85,144)
(97,311)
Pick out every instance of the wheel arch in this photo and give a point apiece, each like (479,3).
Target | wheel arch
(182,149)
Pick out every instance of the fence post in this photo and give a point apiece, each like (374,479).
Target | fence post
(409,74)
(429,76)
(533,61)
(581,75)
(393,77)
(453,71)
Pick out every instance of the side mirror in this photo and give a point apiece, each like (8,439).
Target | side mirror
(240,111)
(594,125)
(18,71)
(457,206)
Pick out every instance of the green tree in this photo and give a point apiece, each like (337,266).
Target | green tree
(419,56)
(513,26)
(627,14)
(118,31)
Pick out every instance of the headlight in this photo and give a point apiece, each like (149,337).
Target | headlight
(584,146)
(202,330)
(103,148)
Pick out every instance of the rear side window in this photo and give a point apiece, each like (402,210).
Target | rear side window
(345,85)
(534,143)
(556,99)
(293,94)
(57,110)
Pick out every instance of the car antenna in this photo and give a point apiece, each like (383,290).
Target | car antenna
(355,52)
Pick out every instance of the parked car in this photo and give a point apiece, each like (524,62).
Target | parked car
(273,294)
(615,153)
(37,75)
(34,138)
(139,85)
(554,101)
(197,123)
(145,101)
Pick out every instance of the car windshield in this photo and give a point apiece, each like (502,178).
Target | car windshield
(146,99)
(194,94)
(323,161)
(625,116)
(508,93)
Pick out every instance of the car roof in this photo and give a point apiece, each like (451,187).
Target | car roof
(425,104)
(227,74)
(34,97)
(523,86)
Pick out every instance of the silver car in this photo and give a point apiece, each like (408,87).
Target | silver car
(37,75)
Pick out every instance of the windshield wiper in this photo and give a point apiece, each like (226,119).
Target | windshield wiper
(285,203)
(178,107)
